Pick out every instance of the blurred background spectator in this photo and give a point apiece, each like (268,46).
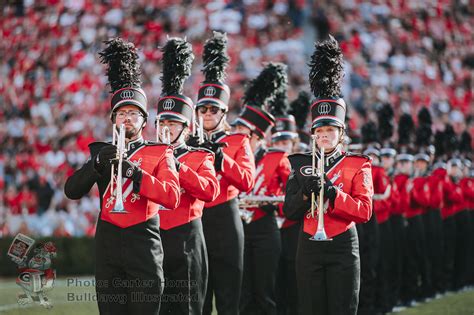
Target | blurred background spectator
(54,99)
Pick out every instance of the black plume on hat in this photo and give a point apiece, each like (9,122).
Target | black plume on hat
(451,142)
(385,122)
(300,108)
(369,133)
(280,104)
(215,58)
(124,74)
(326,69)
(271,81)
(424,132)
(406,128)
(177,62)
(178,58)
(465,144)
(123,68)
(439,144)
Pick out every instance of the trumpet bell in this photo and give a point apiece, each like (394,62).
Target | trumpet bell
(119,208)
(320,236)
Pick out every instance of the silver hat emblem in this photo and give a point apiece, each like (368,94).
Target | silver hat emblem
(209,91)
(127,94)
(168,104)
(324,108)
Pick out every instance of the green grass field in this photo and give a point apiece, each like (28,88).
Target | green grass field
(69,299)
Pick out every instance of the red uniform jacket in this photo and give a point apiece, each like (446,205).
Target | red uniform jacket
(238,167)
(400,183)
(394,197)
(381,196)
(272,171)
(419,197)
(351,174)
(453,199)
(198,182)
(467,187)
(436,183)
(159,184)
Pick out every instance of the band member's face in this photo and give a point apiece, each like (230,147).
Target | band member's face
(327,137)
(387,162)
(175,128)
(285,145)
(421,165)
(454,171)
(132,118)
(212,116)
(239,128)
(405,167)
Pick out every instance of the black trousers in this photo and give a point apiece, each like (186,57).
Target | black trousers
(449,228)
(368,234)
(415,278)
(129,274)
(328,274)
(261,256)
(383,301)
(397,221)
(471,245)
(286,289)
(185,268)
(434,249)
(462,250)
(224,235)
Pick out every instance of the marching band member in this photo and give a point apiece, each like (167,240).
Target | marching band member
(437,186)
(328,272)
(235,168)
(421,199)
(453,200)
(368,233)
(262,236)
(182,235)
(128,243)
(462,250)
(467,186)
(286,137)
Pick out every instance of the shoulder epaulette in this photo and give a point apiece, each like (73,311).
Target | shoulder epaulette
(154,143)
(307,153)
(275,150)
(360,155)
(199,149)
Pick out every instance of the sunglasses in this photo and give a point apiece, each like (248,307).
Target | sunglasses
(214,110)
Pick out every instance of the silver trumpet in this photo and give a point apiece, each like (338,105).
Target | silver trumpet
(118,139)
(200,130)
(255,201)
(165,134)
(320,234)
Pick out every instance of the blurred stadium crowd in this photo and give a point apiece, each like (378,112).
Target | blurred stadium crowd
(54,100)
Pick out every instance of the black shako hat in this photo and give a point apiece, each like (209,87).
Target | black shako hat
(177,64)
(326,73)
